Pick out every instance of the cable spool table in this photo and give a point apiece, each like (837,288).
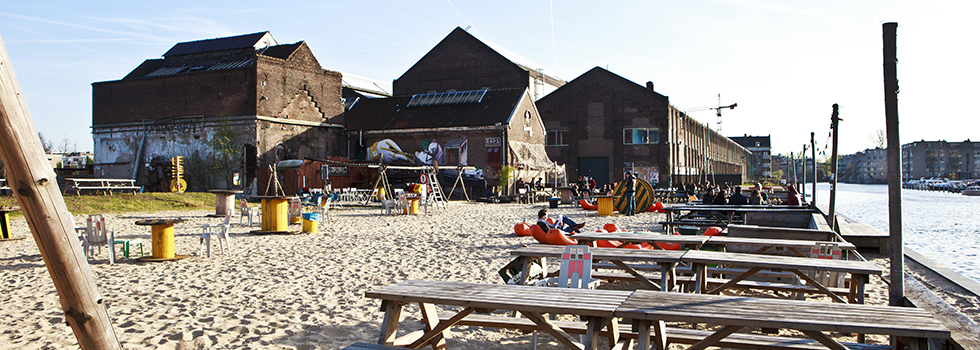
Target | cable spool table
(162,238)
(275,215)
(605,204)
(5,233)
(224,200)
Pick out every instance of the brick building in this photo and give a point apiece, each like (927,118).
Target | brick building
(462,62)
(276,99)
(761,165)
(952,160)
(601,124)
(866,167)
(483,128)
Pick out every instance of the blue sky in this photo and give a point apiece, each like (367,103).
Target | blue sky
(784,62)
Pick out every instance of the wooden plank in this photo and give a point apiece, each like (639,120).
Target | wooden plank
(780,262)
(36,189)
(778,313)
(436,332)
(715,337)
(553,330)
(827,341)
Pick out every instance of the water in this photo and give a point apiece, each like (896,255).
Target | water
(942,226)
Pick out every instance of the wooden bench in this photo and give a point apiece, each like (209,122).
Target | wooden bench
(367,346)
(674,335)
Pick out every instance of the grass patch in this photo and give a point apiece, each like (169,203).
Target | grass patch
(128,203)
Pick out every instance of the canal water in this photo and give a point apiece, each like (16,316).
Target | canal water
(944,227)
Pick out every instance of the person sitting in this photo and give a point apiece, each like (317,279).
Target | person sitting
(721,198)
(709,195)
(793,197)
(562,222)
(756,198)
(539,184)
(737,198)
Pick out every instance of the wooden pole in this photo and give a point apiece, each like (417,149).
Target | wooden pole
(33,182)
(896,291)
(813,155)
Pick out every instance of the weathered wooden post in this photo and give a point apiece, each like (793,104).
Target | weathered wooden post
(896,291)
(33,182)
(832,216)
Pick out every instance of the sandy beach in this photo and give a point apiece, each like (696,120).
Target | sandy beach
(303,291)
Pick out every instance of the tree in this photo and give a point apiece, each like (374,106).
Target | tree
(224,151)
(878,138)
(45,143)
(67,146)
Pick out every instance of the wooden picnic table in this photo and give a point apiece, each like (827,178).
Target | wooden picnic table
(654,308)
(859,270)
(642,237)
(105,186)
(596,307)
(666,259)
(701,215)
(764,244)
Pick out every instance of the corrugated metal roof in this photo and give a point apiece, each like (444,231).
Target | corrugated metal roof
(393,113)
(232,64)
(368,85)
(254,40)
(166,71)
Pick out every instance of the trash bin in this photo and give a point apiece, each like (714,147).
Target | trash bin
(553,201)
(689,230)
(310,221)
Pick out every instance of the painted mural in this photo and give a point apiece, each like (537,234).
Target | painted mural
(387,151)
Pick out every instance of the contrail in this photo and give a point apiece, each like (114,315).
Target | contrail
(464,19)
(554,49)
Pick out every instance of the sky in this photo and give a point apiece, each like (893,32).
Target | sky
(785,63)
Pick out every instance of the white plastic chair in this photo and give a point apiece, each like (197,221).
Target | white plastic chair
(831,251)
(576,272)
(219,230)
(247,211)
(323,207)
(97,235)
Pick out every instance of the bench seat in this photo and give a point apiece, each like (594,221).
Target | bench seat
(674,335)
(369,346)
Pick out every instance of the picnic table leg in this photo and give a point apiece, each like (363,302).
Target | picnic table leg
(812,282)
(700,278)
(593,326)
(857,290)
(431,320)
(393,311)
(715,337)
(612,332)
(668,276)
(549,328)
(439,329)
(659,334)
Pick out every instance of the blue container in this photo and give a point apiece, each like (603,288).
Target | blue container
(311,216)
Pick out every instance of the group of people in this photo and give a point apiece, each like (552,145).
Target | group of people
(726,195)
(584,187)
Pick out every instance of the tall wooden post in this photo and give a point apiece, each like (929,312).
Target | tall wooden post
(896,291)
(813,154)
(832,220)
(803,169)
(33,182)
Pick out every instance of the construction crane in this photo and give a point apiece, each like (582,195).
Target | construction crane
(716,109)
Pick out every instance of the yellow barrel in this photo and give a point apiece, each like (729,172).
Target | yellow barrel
(275,214)
(381,194)
(413,206)
(163,241)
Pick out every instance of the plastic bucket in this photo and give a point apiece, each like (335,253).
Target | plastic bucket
(553,202)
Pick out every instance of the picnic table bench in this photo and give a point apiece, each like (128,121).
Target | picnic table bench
(700,215)
(105,186)
(601,310)
(652,308)
(596,307)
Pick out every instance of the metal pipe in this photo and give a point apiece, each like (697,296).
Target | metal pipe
(832,216)
(896,291)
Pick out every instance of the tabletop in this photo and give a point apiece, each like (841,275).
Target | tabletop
(649,237)
(740,209)
(781,313)
(785,243)
(154,222)
(585,302)
(9,209)
(619,254)
(226,191)
(780,262)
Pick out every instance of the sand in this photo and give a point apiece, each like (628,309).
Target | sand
(303,291)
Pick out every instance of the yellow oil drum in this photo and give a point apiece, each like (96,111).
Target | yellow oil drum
(163,241)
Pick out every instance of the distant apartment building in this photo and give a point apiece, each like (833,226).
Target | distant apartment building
(953,160)
(761,165)
(866,167)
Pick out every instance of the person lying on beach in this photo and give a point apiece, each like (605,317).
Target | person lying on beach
(562,222)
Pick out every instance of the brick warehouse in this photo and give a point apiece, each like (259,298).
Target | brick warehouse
(601,124)
(278,100)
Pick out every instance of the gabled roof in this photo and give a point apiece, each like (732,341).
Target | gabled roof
(594,74)
(281,51)
(749,141)
(496,106)
(366,86)
(254,40)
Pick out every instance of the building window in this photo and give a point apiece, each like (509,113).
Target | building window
(557,138)
(641,136)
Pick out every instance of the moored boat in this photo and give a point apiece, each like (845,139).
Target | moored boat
(973,190)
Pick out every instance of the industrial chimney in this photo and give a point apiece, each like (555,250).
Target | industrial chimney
(650,85)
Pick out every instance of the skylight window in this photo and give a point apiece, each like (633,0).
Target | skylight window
(447,98)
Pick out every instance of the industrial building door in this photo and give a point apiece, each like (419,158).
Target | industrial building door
(595,167)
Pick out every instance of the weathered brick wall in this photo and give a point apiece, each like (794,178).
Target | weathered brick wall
(298,89)
(460,62)
(594,109)
(225,93)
